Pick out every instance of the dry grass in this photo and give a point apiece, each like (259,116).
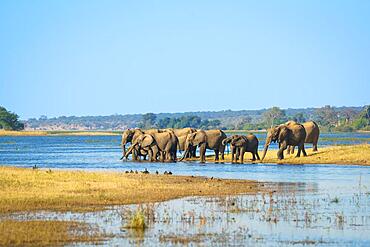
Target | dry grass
(27,190)
(47,233)
(343,155)
(56,133)
(22,133)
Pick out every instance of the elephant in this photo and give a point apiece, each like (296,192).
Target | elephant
(181,135)
(206,139)
(312,134)
(163,144)
(129,136)
(239,144)
(286,135)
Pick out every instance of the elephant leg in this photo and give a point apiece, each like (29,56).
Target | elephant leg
(253,156)
(280,153)
(202,153)
(216,155)
(237,154)
(292,149)
(232,154)
(304,151)
(256,152)
(242,151)
(288,150)
(314,146)
(222,151)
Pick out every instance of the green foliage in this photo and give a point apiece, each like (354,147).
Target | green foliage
(274,116)
(148,121)
(9,120)
(188,121)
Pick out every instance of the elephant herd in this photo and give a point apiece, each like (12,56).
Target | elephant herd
(163,144)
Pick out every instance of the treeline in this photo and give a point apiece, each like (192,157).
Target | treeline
(149,120)
(9,120)
(330,119)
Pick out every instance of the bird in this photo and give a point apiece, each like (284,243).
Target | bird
(169,173)
(34,167)
(127,172)
(146,171)
(131,171)
(165,173)
(156,172)
(136,172)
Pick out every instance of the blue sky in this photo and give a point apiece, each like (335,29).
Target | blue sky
(106,57)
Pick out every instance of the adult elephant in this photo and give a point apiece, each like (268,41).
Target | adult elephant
(129,136)
(312,134)
(157,144)
(286,135)
(181,135)
(239,144)
(206,139)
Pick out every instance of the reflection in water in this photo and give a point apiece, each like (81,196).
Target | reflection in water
(291,214)
(309,204)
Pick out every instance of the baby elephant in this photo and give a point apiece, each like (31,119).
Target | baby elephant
(239,144)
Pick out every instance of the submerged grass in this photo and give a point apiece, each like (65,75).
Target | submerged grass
(47,233)
(24,189)
(342,155)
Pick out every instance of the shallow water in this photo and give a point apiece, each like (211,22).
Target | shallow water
(327,204)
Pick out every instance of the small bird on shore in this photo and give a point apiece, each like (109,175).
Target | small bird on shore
(136,172)
(146,171)
(169,173)
(165,173)
(34,167)
(127,172)
(131,171)
(156,172)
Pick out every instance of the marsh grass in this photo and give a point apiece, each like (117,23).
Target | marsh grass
(341,155)
(47,233)
(24,189)
(137,221)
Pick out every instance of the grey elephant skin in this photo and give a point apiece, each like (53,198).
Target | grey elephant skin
(286,135)
(206,139)
(312,134)
(162,144)
(239,144)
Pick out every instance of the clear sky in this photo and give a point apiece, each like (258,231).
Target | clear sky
(106,57)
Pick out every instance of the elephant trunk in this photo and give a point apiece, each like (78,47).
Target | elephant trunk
(123,150)
(265,150)
(184,155)
(226,141)
(129,150)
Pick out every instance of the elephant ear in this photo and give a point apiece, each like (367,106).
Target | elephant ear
(283,133)
(198,138)
(147,141)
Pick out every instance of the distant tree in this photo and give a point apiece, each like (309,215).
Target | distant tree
(148,120)
(274,116)
(326,116)
(363,120)
(43,118)
(9,120)
(164,123)
(299,117)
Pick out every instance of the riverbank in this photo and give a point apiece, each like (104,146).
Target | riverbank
(37,189)
(340,155)
(58,133)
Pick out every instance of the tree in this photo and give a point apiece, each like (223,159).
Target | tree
(363,120)
(274,116)
(326,116)
(148,120)
(9,120)
(299,117)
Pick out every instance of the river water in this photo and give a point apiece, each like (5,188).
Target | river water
(325,205)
